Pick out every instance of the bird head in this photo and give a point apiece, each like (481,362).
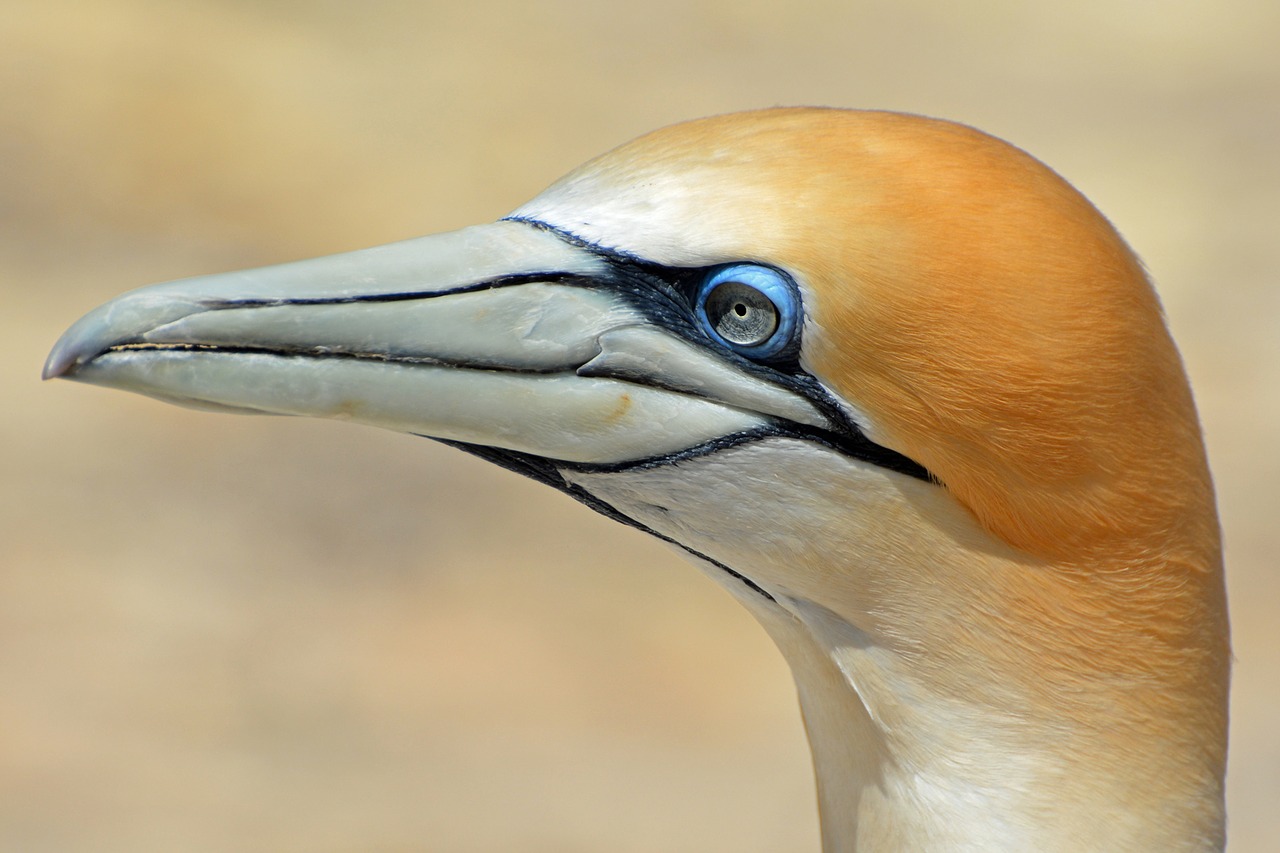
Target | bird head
(893,381)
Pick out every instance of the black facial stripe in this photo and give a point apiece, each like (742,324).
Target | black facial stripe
(550,277)
(547,472)
(856,448)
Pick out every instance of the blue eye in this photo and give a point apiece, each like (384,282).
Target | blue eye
(751,309)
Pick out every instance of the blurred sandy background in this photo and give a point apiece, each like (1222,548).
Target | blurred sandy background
(237,634)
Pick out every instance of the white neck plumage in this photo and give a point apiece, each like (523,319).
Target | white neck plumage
(900,765)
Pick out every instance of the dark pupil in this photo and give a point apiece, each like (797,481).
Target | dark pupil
(741,314)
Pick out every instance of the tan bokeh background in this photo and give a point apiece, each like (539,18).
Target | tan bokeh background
(226,634)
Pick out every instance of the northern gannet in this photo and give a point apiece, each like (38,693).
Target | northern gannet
(893,382)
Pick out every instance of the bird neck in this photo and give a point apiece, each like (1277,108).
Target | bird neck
(959,694)
(901,764)
(898,767)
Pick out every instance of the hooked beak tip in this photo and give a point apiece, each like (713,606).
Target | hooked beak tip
(62,361)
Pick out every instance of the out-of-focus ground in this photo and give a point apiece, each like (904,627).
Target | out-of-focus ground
(222,633)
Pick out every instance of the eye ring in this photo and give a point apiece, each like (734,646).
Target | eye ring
(751,309)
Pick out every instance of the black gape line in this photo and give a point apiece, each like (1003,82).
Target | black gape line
(310,352)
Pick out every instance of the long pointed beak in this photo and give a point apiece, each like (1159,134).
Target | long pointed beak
(502,335)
